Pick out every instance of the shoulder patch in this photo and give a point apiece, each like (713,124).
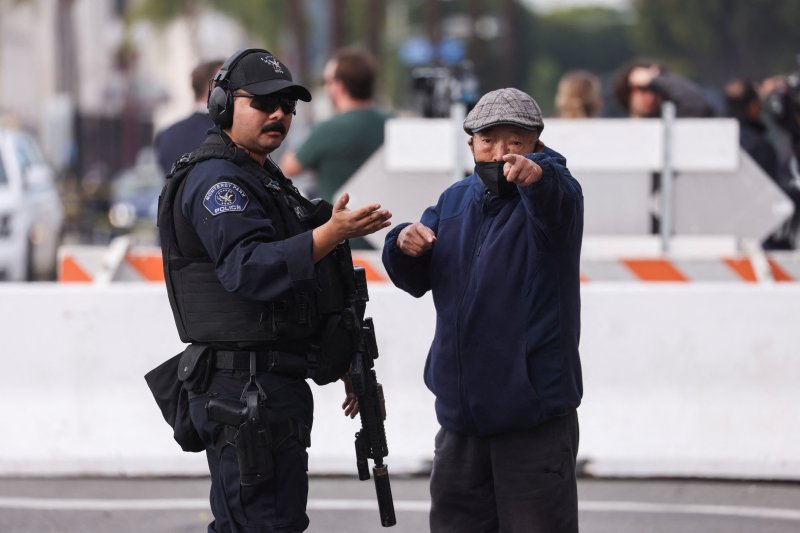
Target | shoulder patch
(224,197)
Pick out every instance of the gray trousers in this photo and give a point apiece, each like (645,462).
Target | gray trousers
(518,482)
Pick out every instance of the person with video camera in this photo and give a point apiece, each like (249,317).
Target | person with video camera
(500,253)
(781,103)
(642,85)
(255,281)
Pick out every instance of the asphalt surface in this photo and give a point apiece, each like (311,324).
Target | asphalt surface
(345,505)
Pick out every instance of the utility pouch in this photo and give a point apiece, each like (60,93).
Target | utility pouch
(173,400)
(194,369)
(337,348)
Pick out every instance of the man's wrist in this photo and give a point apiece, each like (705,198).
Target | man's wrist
(324,235)
(323,240)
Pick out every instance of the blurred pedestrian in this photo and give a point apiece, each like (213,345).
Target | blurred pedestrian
(500,254)
(187,134)
(781,103)
(642,85)
(336,148)
(578,95)
(780,96)
(743,104)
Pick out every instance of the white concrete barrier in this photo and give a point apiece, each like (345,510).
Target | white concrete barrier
(680,379)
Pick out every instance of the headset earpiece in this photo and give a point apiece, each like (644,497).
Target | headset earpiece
(220,107)
(220,98)
(215,102)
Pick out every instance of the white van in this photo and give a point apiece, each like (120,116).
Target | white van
(31,212)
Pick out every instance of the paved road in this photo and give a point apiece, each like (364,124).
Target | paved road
(345,505)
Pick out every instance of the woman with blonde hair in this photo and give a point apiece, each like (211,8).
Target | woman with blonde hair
(578,95)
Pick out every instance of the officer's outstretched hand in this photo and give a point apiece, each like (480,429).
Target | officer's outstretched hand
(521,170)
(416,239)
(346,224)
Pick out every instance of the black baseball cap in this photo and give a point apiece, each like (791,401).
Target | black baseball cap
(261,73)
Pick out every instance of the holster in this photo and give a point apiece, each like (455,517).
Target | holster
(256,433)
(254,449)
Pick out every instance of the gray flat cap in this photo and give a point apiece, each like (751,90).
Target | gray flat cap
(504,106)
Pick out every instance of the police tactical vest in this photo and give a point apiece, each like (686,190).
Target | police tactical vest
(206,313)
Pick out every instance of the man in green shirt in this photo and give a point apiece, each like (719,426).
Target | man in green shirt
(336,148)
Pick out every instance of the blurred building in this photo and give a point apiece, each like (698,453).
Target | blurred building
(90,87)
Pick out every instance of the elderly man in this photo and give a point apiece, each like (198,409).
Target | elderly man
(500,253)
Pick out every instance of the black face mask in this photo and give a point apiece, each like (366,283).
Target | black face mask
(491,174)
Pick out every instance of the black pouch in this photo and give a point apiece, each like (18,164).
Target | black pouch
(337,348)
(195,366)
(173,400)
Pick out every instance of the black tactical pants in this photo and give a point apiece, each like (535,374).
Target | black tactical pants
(274,506)
(519,482)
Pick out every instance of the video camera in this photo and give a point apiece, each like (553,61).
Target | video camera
(783,104)
(437,88)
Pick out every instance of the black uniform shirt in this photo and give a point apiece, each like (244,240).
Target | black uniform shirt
(254,256)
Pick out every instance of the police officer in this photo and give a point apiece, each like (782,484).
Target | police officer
(251,273)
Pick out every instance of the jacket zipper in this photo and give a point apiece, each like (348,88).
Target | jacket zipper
(476,247)
(484,227)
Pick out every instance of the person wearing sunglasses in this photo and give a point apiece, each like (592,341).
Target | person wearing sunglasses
(641,85)
(254,277)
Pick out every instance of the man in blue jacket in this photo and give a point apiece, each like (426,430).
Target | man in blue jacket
(500,252)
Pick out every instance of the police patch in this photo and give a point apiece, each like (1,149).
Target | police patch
(224,197)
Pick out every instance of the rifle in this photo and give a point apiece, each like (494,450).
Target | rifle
(371,439)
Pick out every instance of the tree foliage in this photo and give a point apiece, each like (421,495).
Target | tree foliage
(590,38)
(715,40)
(264,20)
(709,40)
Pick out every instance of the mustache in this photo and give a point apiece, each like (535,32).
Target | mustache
(274,126)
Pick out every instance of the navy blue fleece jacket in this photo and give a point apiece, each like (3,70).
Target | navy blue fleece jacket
(504,273)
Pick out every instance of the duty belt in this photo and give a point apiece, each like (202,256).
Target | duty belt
(286,363)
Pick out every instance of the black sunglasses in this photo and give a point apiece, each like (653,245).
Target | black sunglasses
(270,102)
